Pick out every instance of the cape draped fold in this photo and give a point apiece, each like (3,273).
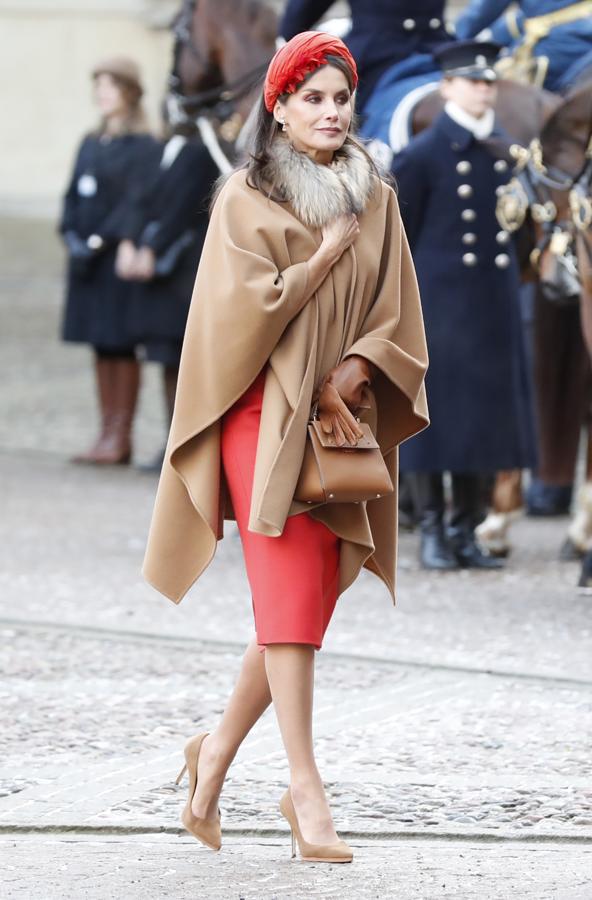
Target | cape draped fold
(251,309)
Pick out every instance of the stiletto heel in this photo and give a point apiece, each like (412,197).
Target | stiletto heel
(208,831)
(180,775)
(335,853)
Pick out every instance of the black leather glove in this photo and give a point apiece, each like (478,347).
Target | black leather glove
(77,246)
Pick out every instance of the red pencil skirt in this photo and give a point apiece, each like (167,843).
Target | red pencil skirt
(294,578)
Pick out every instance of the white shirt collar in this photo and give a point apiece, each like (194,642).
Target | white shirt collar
(480,128)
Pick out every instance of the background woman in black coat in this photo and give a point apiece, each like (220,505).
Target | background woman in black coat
(165,234)
(111,162)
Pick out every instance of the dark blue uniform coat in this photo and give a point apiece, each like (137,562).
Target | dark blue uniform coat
(383,32)
(106,174)
(468,279)
(171,211)
(564,45)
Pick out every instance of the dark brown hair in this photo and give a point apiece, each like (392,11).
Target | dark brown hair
(265,132)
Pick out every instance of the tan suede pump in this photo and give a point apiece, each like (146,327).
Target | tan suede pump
(331,853)
(208,831)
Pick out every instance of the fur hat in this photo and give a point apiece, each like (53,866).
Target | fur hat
(123,68)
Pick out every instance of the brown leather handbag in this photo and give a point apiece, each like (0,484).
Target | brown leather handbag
(337,474)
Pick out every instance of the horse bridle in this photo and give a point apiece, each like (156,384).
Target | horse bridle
(224,93)
(533,182)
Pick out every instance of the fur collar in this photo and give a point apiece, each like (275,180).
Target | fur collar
(320,193)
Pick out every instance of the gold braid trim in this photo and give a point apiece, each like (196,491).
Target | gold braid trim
(539,26)
(512,23)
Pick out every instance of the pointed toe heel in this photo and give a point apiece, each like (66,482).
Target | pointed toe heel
(330,853)
(207,831)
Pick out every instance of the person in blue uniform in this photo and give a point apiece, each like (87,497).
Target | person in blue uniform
(111,162)
(468,276)
(564,45)
(383,32)
(165,234)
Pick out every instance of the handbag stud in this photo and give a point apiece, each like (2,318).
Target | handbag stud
(331,496)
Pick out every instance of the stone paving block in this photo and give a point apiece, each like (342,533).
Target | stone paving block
(382,722)
(71,867)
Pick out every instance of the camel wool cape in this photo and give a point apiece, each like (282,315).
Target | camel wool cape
(251,309)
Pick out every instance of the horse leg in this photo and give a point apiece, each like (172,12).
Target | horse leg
(578,544)
(561,377)
(585,580)
(506,506)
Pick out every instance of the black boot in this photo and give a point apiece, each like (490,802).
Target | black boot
(435,552)
(467,512)
(585,580)
(548,499)
(409,514)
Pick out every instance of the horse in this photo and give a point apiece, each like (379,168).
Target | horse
(558,178)
(553,188)
(220,55)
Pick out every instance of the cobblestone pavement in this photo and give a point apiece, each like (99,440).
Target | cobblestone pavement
(461,717)
(71,867)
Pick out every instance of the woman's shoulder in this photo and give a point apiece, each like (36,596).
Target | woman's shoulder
(238,183)
(89,139)
(236,188)
(383,196)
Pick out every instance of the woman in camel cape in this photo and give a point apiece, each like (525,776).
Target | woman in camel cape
(305,292)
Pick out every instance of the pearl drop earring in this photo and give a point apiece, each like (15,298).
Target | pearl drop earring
(283,124)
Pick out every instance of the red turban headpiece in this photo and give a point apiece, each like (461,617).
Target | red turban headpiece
(296,59)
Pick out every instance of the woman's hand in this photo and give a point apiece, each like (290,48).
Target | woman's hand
(338,235)
(336,418)
(145,264)
(125,265)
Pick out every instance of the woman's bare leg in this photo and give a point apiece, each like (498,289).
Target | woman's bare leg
(290,673)
(248,701)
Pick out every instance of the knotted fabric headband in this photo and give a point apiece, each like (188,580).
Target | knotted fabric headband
(296,59)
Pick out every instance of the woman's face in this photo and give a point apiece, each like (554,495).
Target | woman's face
(108,96)
(318,114)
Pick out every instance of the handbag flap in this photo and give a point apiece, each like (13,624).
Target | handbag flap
(366,442)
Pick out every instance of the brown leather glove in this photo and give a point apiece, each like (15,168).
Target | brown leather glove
(351,377)
(336,418)
(341,394)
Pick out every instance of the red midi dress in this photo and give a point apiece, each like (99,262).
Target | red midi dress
(294,578)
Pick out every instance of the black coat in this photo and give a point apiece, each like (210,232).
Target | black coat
(383,32)
(106,174)
(171,212)
(469,284)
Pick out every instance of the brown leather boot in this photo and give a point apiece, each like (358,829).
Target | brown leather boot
(116,446)
(105,383)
